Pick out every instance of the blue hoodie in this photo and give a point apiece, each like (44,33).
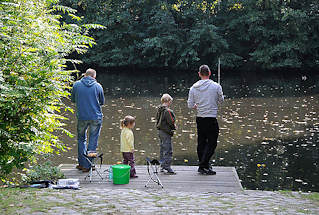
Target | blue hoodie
(88,96)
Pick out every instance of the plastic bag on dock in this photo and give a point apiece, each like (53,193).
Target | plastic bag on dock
(70,183)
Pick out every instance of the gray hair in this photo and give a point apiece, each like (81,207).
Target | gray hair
(90,72)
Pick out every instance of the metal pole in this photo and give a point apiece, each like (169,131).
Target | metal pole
(218,70)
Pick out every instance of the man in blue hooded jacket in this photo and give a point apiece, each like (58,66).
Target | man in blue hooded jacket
(88,95)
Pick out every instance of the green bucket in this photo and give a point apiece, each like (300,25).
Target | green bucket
(121,174)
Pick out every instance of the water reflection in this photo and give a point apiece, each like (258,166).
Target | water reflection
(279,133)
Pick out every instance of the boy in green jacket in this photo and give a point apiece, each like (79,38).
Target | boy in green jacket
(166,125)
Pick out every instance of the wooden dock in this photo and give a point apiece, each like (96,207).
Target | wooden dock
(187,179)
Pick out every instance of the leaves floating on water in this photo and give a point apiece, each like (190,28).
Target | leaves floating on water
(270,129)
(298,180)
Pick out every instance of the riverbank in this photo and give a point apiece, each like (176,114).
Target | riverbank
(120,201)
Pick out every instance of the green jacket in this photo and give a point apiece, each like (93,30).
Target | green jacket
(165,120)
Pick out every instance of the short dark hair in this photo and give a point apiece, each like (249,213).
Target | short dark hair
(204,70)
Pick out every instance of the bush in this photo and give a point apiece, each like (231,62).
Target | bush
(43,172)
(34,43)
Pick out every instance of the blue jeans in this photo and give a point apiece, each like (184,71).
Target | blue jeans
(94,133)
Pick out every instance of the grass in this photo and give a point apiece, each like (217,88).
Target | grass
(303,211)
(112,206)
(28,201)
(15,200)
(312,196)
(287,193)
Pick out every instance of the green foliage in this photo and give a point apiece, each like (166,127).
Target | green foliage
(182,34)
(43,172)
(152,34)
(33,80)
(270,34)
(312,196)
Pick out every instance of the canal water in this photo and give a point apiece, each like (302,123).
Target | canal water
(269,125)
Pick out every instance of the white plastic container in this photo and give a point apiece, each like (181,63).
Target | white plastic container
(71,183)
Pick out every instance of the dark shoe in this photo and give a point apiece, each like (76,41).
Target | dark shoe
(211,171)
(79,167)
(133,176)
(205,171)
(202,171)
(93,168)
(170,171)
(85,170)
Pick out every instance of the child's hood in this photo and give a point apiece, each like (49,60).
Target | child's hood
(160,110)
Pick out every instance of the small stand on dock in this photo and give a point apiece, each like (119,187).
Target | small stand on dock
(152,169)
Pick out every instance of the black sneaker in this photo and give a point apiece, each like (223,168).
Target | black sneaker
(203,171)
(206,171)
(170,171)
(211,172)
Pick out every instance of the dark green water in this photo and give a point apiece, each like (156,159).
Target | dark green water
(268,126)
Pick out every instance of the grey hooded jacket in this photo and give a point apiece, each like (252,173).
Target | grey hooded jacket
(207,95)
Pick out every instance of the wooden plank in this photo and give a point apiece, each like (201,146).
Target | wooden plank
(225,175)
(179,168)
(187,179)
(196,179)
(153,187)
(237,178)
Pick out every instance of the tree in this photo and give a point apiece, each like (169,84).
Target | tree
(34,47)
(271,34)
(148,34)
(250,35)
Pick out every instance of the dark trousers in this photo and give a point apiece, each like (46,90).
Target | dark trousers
(166,149)
(128,158)
(207,131)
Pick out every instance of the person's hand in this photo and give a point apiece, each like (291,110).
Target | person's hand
(195,107)
(132,150)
